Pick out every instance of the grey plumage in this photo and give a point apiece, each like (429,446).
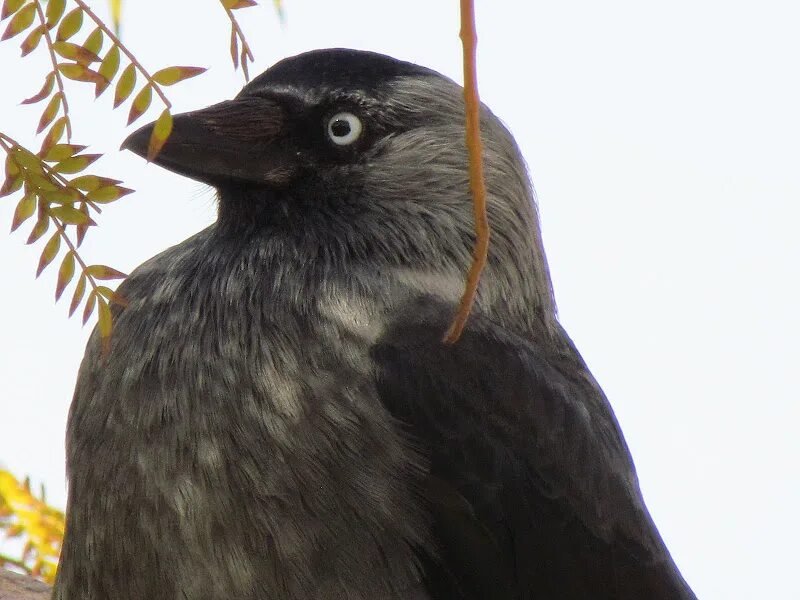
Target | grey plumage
(277,418)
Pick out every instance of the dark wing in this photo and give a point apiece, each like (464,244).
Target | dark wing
(532,490)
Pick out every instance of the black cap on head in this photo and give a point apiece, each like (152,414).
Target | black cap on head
(336,68)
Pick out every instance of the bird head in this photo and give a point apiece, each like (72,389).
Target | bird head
(365,154)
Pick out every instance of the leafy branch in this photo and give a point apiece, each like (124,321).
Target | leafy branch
(62,203)
(30,518)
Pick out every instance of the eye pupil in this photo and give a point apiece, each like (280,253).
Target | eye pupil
(344,128)
(340,128)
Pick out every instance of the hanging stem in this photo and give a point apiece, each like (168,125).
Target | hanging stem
(54,60)
(477,185)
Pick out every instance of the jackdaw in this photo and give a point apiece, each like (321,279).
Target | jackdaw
(277,418)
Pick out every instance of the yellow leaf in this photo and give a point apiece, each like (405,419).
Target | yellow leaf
(90,183)
(55,134)
(77,295)
(65,274)
(61,152)
(172,75)
(55,8)
(27,159)
(116,14)
(41,227)
(237,4)
(94,42)
(20,21)
(79,72)
(91,301)
(70,25)
(25,210)
(60,195)
(108,69)
(12,169)
(82,229)
(86,183)
(51,248)
(108,193)
(69,215)
(50,112)
(10,7)
(11,184)
(125,85)
(75,52)
(33,39)
(76,163)
(104,320)
(111,295)
(44,92)
(140,103)
(161,131)
(104,272)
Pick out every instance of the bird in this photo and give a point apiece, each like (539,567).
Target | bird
(276,415)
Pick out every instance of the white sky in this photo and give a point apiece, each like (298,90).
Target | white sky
(663,143)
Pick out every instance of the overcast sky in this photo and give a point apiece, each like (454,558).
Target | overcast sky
(664,144)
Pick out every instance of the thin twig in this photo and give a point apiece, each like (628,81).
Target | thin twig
(56,72)
(469,40)
(134,61)
(240,33)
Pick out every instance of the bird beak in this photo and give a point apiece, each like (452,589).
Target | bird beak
(240,140)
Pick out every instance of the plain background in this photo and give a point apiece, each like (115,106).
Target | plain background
(664,144)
